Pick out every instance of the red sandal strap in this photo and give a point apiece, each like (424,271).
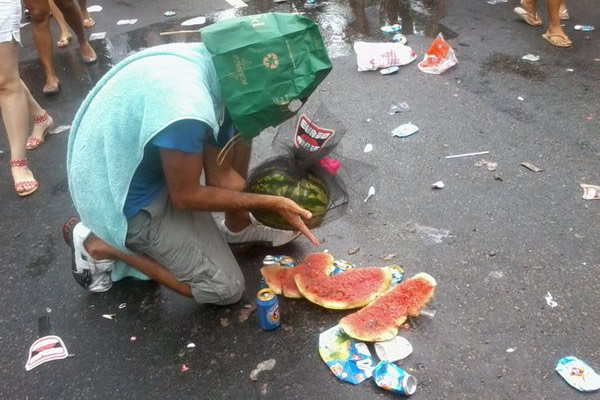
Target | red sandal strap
(18,163)
(41,118)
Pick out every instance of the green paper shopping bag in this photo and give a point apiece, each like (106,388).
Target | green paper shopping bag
(264,62)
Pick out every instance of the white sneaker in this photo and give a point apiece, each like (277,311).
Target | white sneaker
(258,234)
(93,275)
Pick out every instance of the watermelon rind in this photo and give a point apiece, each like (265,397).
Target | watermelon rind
(272,276)
(305,290)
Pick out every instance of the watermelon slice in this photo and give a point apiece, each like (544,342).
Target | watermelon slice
(380,320)
(281,279)
(351,289)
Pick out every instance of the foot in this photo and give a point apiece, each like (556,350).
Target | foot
(52,85)
(88,21)
(527,11)
(88,55)
(25,183)
(258,234)
(64,41)
(563,13)
(557,38)
(92,274)
(41,126)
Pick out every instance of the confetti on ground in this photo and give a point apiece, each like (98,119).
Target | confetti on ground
(110,316)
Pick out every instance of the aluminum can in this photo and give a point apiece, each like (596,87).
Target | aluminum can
(391,377)
(267,308)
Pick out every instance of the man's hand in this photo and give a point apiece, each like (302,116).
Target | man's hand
(294,214)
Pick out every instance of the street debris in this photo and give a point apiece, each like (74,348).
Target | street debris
(549,300)
(510,350)
(262,366)
(133,339)
(391,377)
(224,322)
(428,234)
(520,98)
(389,71)
(353,251)
(438,185)
(122,306)
(405,130)
(531,167)
(479,153)
(348,359)
(368,148)
(590,192)
(46,349)
(194,21)
(263,387)
(237,3)
(390,28)
(110,316)
(127,21)
(578,374)
(570,70)
(491,166)
(179,32)
(389,256)
(370,194)
(170,13)
(374,56)
(439,57)
(246,311)
(399,108)
(59,129)
(394,349)
(400,38)
(584,28)
(191,346)
(48,310)
(97,35)
(428,312)
(494,2)
(531,57)
(94,8)
(184,368)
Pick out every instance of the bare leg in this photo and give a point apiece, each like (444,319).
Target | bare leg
(65,35)
(36,111)
(39,11)
(13,104)
(100,250)
(88,21)
(530,6)
(73,17)
(554,28)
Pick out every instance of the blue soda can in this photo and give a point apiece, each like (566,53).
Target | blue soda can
(267,308)
(391,377)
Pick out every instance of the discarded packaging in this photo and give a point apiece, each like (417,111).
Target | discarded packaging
(368,148)
(59,129)
(578,374)
(397,274)
(370,194)
(479,153)
(391,377)
(394,349)
(122,306)
(94,8)
(46,349)
(510,350)
(550,301)
(237,3)
(389,71)
(584,28)
(127,21)
(194,21)
(184,368)
(169,13)
(428,312)
(590,192)
(191,345)
(398,108)
(531,167)
(489,165)
(438,185)
(262,366)
(110,316)
(133,338)
(340,266)
(349,360)
(391,28)
(520,98)
(570,70)
(439,57)
(374,56)
(97,35)
(531,57)
(430,235)
(405,130)
(400,38)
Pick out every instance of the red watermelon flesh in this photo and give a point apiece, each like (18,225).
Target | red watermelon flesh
(351,289)
(380,320)
(281,279)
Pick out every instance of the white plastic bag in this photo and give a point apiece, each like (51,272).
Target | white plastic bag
(373,56)
(439,57)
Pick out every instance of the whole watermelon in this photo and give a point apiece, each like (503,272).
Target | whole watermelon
(309,193)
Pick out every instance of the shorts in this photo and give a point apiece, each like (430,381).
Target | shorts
(10,21)
(190,245)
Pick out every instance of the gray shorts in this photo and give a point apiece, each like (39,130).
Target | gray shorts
(190,245)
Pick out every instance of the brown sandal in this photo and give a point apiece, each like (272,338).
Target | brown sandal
(563,41)
(529,18)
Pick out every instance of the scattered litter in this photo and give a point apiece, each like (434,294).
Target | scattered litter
(399,108)
(578,374)
(97,35)
(570,70)
(122,306)
(531,57)
(46,349)
(127,21)
(263,387)
(194,21)
(391,377)
(589,117)
(405,130)
(428,234)
(531,167)
(246,311)
(492,253)
(224,322)
(397,274)
(510,350)
(391,28)
(59,129)
(584,28)
(237,3)
(438,185)
(48,310)
(521,98)
(353,251)
(310,4)
(479,153)
(133,338)
(394,349)
(279,1)
(491,166)
(349,360)
(388,257)
(374,56)
(368,148)
(110,316)
(191,345)
(400,38)
(494,2)
(439,57)
(170,13)
(405,327)
(179,32)
(184,368)
(370,194)
(262,366)
(590,192)
(550,300)
(94,8)
(428,313)
(389,71)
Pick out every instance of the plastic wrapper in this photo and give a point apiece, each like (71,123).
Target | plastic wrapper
(349,360)
(439,57)
(578,374)
(373,56)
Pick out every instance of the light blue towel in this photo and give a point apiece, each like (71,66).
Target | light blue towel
(134,101)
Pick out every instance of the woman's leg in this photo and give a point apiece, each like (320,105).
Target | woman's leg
(65,35)
(13,104)
(555,34)
(73,17)
(88,21)
(39,11)
(42,122)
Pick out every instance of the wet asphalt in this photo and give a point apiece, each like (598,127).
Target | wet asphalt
(515,235)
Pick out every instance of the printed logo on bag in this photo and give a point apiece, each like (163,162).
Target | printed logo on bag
(271,61)
(311,137)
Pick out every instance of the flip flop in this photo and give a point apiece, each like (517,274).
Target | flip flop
(563,41)
(88,22)
(563,14)
(64,41)
(529,18)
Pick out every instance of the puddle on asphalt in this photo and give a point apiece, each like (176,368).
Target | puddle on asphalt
(504,63)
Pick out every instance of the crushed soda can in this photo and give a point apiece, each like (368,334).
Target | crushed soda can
(281,260)
(340,266)
(578,374)
(391,377)
(349,360)
(397,274)
(389,71)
